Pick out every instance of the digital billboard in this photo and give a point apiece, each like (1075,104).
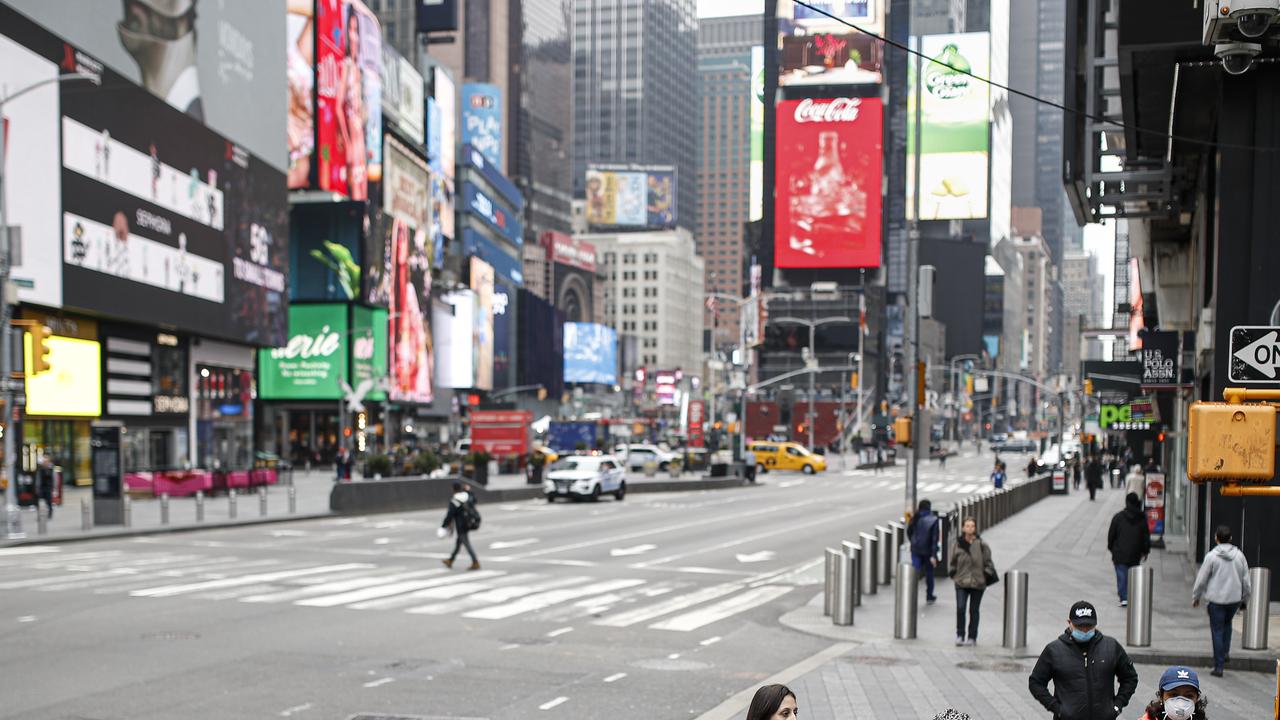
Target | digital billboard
(348,49)
(817,17)
(494,213)
(482,330)
(73,384)
(409,337)
(590,353)
(311,363)
(756,201)
(504,333)
(161,219)
(369,349)
(631,196)
(829,170)
(482,119)
(300,31)
(506,266)
(404,196)
(454,319)
(842,57)
(443,133)
(327,260)
(403,96)
(209,59)
(954,135)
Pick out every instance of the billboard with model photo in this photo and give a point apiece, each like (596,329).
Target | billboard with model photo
(482,334)
(829,173)
(348,98)
(631,196)
(219,62)
(162,220)
(406,216)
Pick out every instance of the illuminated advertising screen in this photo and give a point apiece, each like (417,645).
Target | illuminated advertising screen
(756,201)
(403,96)
(482,120)
(444,122)
(830,58)
(446,96)
(300,43)
(369,350)
(73,384)
(955,118)
(482,330)
(817,17)
(829,172)
(504,332)
(454,319)
(631,196)
(313,362)
(348,51)
(665,382)
(409,336)
(590,353)
(405,196)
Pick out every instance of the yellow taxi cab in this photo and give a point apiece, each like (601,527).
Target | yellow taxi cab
(786,456)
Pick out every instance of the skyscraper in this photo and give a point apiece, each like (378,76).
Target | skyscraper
(634,90)
(724,159)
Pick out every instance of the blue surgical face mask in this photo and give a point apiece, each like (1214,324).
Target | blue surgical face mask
(1082,636)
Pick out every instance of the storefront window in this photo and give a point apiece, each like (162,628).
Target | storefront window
(224,421)
(154,449)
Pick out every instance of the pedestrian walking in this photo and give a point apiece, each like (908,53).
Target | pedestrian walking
(1178,697)
(1033,467)
(942,458)
(460,520)
(879,459)
(1223,582)
(1136,481)
(342,464)
(773,702)
(1093,476)
(998,476)
(923,531)
(1129,541)
(45,483)
(1084,666)
(971,571)
(1075,473)
(749,465)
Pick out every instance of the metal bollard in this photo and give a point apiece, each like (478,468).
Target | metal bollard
(885,560)
(906,603)
(869,574)
(829,580)
(293,499)
(846,582)
(1141,584)
(262,501)
(86,515)
(1256,615)
(851,550)
(126,506)
(199,506)
(1016,583)
(42,522)
(231,504)
(899,538)
(164,508)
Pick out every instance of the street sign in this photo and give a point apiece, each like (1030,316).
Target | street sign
(1255,355)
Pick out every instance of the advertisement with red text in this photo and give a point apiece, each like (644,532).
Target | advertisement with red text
(829,173)
(348,97)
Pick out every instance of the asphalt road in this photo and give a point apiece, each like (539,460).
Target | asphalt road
(659,606)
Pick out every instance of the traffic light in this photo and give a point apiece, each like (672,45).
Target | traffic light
(1231,441)
(1088,387)
(921,375)
(853,381)
(902,431)
(40,349)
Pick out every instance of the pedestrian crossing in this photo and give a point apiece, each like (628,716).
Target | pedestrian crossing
(491,594)
(932,482)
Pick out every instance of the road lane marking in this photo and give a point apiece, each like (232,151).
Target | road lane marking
(710,641)
(675,604)
(30,550)
(171,590)
(504,544)
(396,588)
(289,712)
(549,598)
(634,550)
(755,557)
(790,483)
(559,632)
(27,619)
(379,682)
(673,656)
(615,677)
(553,703)
(724,609)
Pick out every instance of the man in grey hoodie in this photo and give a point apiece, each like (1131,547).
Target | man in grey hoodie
(1223,581)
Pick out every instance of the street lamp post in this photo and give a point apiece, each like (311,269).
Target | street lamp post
(12,518)
(813,358)
(955,393)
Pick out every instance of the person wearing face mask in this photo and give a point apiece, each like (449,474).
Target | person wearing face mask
(1084,666)
(1179,697)
(773,702)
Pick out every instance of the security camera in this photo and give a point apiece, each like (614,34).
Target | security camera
(1237,57)
(1254,17)
(1231,20)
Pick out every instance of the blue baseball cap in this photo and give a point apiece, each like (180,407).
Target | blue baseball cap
(1178,676)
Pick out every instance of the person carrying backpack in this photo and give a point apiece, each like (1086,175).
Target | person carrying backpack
(923,532)
(461,518)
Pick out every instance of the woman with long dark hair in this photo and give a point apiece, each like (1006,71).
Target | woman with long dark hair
(773,702)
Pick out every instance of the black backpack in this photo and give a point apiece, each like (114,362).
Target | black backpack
(470,515)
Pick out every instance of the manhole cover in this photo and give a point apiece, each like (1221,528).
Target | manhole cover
(171,636)
(1003,666)
(672,665)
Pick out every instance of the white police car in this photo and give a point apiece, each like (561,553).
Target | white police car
(585,477)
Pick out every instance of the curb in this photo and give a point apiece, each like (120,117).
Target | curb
(1157,657)
(161,530)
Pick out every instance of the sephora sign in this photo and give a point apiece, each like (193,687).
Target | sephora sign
(829,170)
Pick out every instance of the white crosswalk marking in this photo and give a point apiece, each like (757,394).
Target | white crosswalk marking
(171,590)
(440,592)
(723,609)
(549,598)
(333,588)
(497,595)
(930,487)
(666,607)
(952,488)
(968,489)
(398,588)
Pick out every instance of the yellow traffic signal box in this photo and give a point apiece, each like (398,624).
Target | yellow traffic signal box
(1231,441)
(902,431)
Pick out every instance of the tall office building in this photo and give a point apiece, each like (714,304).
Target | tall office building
(724,161)
(634,95)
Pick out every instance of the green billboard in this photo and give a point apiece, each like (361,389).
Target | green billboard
(314,359)
(369,350)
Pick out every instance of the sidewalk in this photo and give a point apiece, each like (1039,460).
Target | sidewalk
(1061,543)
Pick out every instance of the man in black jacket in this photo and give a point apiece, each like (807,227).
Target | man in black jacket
(1129,541)
(1084,666)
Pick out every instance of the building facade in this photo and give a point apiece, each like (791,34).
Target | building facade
(653,283)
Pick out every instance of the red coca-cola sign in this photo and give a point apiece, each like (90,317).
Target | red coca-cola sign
(829,170)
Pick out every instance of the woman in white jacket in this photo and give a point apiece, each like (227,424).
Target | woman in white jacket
(1223,582)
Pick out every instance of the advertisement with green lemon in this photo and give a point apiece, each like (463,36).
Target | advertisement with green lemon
(955,109)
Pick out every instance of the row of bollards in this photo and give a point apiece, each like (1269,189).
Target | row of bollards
(126,516)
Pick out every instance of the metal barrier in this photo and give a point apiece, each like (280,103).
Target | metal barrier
(884,558)
(293,499)
(42,522)
(262,500)
(906,603)
(829,580)
(86,515)
(846,582)
(164,508)
(1256,613)
(1141,584)
(899,539)
(126,508)
(946,538)
(852,550)
(231,504)
(199,506)
(1016,583)
(869,574)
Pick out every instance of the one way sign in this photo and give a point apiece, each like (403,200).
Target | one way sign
(1255,355)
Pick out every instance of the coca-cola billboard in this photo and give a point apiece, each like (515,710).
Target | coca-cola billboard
(829,170)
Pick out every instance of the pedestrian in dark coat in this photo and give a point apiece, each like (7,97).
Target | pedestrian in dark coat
(923,532)
(1084,666)
(45,483)
(1129,541)
(1093,475)
(456,521)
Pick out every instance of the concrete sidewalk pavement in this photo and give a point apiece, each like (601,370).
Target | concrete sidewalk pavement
(1061,543)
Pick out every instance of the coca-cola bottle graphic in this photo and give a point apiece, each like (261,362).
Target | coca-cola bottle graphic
(825,202)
